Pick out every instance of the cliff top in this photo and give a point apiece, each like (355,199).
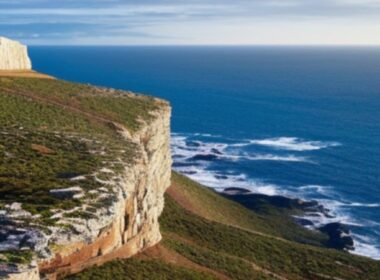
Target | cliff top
(62,155)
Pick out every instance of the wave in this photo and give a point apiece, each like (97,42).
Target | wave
(367,205)
(293,144)
(200,157)
(364,247)
(219,181)
(186,148)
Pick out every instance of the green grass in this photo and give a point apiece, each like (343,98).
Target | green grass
(206,239)
(218,233)
(134,269)
(16,257)
(52,131)
(219,242)
(118,106)
(272,220)
(236,268)
(27,175)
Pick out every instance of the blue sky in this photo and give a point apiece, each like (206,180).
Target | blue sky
(204,22)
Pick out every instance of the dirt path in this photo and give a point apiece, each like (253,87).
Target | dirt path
(88,115)
(24,74)
(164,254)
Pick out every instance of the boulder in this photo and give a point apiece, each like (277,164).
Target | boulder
(68,193)
(339,236)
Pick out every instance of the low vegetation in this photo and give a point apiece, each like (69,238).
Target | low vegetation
(101,104)
(135,269)
(194,227)
(56,135)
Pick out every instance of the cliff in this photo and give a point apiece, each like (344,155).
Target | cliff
(13,55)
(100,161)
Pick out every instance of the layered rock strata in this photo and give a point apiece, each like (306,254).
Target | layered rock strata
(128,225)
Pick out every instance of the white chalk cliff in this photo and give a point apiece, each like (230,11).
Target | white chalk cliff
(126,227)
(13,56)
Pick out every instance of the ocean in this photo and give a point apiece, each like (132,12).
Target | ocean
(295,121)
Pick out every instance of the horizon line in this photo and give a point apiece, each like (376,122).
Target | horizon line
(205,45)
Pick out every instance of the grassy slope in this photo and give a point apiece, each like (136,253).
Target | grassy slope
(50,133)
(210,205)
(218,234)
(200,227)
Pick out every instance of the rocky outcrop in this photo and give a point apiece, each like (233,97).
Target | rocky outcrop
(13,55)
(129,224)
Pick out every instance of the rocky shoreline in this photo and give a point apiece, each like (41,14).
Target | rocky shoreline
(339,235)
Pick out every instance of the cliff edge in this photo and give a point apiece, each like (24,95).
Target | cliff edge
(83,175)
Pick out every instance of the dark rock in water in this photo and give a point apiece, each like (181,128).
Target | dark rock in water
(189,172)
(192,144)
(236,191)
(339,236)
(303,222)
(184,164)
(207,157)
(221,177)
(3,236)
(216,151)
(178,156)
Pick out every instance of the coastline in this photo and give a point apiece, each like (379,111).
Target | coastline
(339,235)
(202,158)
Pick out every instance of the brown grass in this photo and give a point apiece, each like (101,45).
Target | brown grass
(24,74)
(42,149)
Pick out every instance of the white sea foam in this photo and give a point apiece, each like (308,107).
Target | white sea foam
(357,204)
(311,190)
(182,147)
(293,144)
(364,247)
(187,146)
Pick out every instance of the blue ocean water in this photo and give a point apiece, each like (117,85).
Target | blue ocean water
(302,122)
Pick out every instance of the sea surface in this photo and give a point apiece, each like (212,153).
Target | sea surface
(295,121)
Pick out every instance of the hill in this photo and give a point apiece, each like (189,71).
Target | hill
(207,236)
(82,175)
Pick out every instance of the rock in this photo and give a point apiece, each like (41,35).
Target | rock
(207,157)
(216,151)
(339,236)
(236,191)
(193,144)
(13,55)
(126,219)
(68,193)
(221,177)
(15,206)
(303,222)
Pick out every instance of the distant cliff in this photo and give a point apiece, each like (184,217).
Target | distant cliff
(13,55)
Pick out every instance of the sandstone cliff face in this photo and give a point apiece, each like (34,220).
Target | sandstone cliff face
(130,223)
(13,55)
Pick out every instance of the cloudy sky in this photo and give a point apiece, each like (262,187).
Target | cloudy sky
(148,22)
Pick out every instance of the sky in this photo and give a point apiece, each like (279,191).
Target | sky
(191,22)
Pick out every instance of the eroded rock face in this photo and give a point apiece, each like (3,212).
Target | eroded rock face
(130,223)
(13,55)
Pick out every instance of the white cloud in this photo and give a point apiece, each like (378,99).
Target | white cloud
(195,22)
